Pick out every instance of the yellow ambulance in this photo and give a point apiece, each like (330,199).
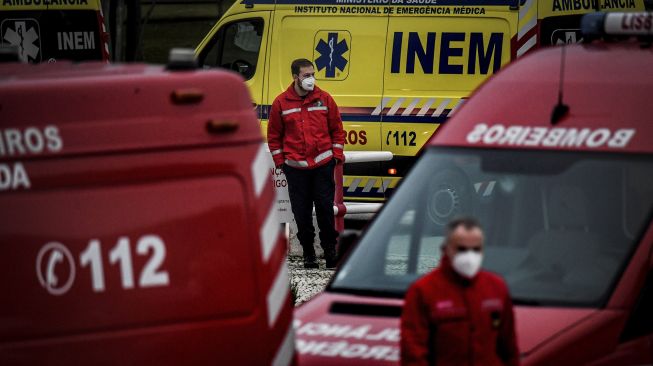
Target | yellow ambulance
(397,68)
(53,30)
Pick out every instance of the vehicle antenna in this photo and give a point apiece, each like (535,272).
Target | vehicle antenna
(560,110)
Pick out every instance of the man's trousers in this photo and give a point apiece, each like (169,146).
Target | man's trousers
(308,187)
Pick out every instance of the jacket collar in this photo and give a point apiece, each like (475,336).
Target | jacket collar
(312,95)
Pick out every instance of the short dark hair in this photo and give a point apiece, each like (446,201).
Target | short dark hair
(298,64)
(467,222)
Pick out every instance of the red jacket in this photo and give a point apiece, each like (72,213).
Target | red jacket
(449,320)
(305,132)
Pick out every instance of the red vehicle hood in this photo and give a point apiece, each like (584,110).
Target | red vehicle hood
(354,330)
(537,325)
(348,330)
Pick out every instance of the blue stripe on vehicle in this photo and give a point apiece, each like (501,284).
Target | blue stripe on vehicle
(264,113)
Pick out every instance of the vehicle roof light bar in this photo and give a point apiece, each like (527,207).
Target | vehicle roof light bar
(596,25)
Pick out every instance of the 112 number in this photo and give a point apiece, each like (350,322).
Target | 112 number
(150,276)
(401,138)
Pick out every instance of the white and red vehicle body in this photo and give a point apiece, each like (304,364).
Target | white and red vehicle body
(128,195)
(566,206)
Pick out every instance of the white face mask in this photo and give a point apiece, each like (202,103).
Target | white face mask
(468,263)
(308,83)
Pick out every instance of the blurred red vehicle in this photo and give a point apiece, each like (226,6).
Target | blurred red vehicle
(128,198)
(554,156)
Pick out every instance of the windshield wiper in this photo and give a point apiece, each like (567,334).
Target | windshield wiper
(526,302)
(366,292)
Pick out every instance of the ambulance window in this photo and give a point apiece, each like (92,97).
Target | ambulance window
(236,47)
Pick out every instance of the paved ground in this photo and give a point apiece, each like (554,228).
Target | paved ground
(306,283)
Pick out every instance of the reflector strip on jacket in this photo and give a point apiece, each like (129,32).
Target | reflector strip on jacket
(304,163)
(289,111)
(323,156)
(322,108)
(275,152)
(338,146)
(297,164)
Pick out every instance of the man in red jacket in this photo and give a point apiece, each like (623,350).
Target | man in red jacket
(458,314)
(306,138)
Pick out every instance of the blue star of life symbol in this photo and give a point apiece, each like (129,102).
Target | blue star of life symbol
(331,53)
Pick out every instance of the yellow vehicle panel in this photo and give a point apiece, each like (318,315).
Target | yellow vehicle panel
(397,69)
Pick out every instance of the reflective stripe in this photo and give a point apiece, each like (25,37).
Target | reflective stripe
(275,152)
(322,108)
(286,351)
(426,107)
(277,294)
(395,107)
(527,27)
(370,184)
(260,171)
(323,156)
(379,108)
(304,163)
(353,185)
(410,107)
(288,111)
(269,233)
(297,164)
(338,146)
(527,45)
(441,108)
(453,110)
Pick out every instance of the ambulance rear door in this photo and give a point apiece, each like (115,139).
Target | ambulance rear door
(435,57)
(345,43)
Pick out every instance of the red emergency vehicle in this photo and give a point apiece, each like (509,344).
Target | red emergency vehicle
(137,221)
(554,157)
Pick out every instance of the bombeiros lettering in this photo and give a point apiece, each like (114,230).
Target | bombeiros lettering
(13,176)
(30,141)
(499,134)
(24,142)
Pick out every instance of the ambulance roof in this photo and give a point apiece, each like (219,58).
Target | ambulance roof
(607,87)
(109,107)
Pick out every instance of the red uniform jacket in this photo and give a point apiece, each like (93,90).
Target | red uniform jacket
(449,320)
(305,132)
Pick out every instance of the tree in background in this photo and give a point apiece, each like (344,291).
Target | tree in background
(144,30)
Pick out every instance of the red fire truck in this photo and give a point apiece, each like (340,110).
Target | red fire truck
(554,157)
(128,200)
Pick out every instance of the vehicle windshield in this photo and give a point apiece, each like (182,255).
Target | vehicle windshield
(559,226)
